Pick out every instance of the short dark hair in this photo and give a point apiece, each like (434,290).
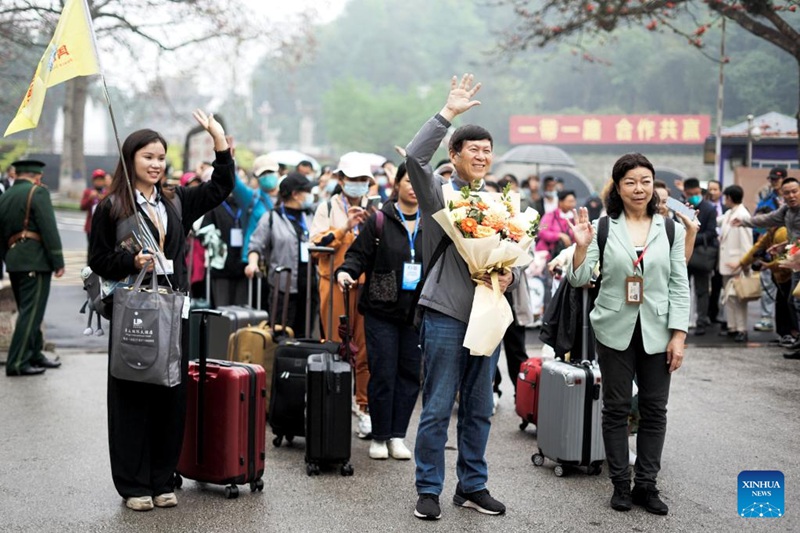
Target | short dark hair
(789,180)
(305,163)
(549,179)
(493,185)
(562,195)
(691,183)
(401,173)
(510,177)
(469,132)
(624,164)
(658,184)
(735,193)
(713,181)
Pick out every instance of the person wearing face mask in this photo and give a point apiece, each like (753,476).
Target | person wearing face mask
(337,223)
(381,184)
(256,202)
(706,245)
(91,197)
(282,238)
(549,199)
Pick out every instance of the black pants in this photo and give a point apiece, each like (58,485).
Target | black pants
(785,318)
(714,298)
(702,285)
(296,315)
(514,348)
(230,291)
(145,431)
(653,378)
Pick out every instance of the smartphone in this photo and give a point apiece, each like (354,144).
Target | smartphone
(374,202)
(678,207)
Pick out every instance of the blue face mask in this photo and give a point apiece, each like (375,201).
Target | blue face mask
(307,203)
(331,186)
(268,182)
(355,189)
(695,200)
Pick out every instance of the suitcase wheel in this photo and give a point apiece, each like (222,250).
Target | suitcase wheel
(537,459)
(257,485)
(312,469)
(231,492)
(346,470)
(177,481)
(523,425)
(559,471)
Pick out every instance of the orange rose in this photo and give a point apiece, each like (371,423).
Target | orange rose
(469,225)
(495,222)
(482,232)
(482,206)
(515,231)
(461,203)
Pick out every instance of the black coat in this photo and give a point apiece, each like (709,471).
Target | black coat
(563,321)
(113,264)
(707,216)
(382,294)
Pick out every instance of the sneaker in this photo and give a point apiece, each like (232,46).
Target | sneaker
(763,325)
(786,341)
(479,500)
(495,401)
(428,507)
(398,449)
(165,500)
(631,457)
(364,425)
(648,498)
(378,450)
(139,503)
(621,500)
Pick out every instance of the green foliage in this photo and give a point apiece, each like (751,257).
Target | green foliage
(11,151)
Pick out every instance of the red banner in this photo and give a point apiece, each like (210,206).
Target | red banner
(609,129)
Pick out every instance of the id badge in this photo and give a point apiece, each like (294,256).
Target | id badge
(412,273)
(167,269)
(304,252)
(634,290)
(237,238)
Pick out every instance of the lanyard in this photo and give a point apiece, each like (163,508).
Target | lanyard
(230,212)
(301,222)
(411,237)
(346,205)
(156,218)
(639,260)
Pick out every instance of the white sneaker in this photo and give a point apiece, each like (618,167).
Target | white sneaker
(364,425)
(378,450)
(398,449)
(140,503)
(166,500)
(632,450)
(496,401)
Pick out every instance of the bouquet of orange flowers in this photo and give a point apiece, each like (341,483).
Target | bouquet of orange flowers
(791,257)
(491,235)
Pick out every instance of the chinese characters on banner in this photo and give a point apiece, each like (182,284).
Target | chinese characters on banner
(609,129)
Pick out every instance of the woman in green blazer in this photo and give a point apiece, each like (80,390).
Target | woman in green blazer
(640,320)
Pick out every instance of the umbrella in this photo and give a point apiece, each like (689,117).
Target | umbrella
(290,158)
(537,154)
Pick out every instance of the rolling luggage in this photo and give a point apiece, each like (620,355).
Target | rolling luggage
(569,429)
(527,400)
(256,344)
(225,432)
(329,385)
(329,382)
(288,392)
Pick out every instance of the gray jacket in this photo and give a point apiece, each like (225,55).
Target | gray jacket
(276,242)
(783,216)
(448,287)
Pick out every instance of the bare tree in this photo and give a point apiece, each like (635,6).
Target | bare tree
(541,22)
(124,30)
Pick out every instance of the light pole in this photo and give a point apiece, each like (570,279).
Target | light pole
(753,134)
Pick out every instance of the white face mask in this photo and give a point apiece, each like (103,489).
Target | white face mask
(355,189)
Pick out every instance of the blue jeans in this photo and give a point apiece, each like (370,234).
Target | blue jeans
(449,368)
(394,375)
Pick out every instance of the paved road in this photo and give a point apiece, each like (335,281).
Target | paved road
(730,410)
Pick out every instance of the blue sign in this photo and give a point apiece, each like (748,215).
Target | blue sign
(761,494)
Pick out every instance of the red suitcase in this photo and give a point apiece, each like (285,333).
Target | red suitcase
(528,391)
(225,436)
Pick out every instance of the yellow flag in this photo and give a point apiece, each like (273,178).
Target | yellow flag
(72,52)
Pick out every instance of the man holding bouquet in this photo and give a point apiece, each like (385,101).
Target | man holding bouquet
(446,303)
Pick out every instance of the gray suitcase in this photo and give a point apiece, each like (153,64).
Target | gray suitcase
(569,429)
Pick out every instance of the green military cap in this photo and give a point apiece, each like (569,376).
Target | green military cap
(28,165)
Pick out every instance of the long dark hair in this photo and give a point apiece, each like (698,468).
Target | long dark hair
(122,207)
(627,162)
(398,177)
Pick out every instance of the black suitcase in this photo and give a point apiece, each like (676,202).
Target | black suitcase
(328,422)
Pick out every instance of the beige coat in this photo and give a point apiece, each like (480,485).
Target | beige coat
(734,242)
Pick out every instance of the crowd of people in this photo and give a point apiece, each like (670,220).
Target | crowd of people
(665,273)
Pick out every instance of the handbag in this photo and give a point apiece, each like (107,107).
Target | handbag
(146,333)
(747,288)
(704,258)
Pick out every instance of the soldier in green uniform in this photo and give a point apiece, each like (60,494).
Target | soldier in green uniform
(31,248)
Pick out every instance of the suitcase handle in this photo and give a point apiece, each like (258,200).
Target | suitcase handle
(287,286)
(250,302)
(329,251)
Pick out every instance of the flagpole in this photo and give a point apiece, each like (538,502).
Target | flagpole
(720,98)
